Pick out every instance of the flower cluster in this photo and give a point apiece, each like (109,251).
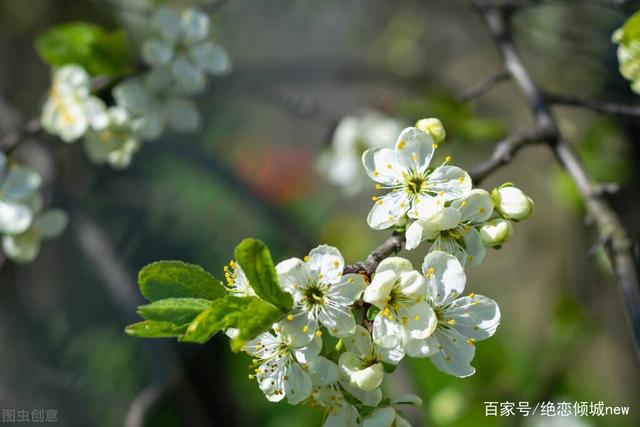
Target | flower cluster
(24,223)
(322,355)
(178,52)
(438,204)
(353,135)
(346,332)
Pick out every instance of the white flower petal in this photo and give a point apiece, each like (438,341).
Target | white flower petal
(414,149)
(293,273)
(52,223)
(426,208)
(476,208)
(455,356)
(450,181)
(347,290)
(474,248)
(394,263)
(157,52)
(366,378)
(194,26)
(22,248)
(20,183)
(387,210)
(421,320)
(298,385)
(189,78)
(449,218)
(182,115)
(476,316)
(211,58)
(413,284)
(322,371)
(369,398)
(445,276)
(359,343)
(167,23)
(381,417)
(387,332)
(326,264)
(345,416)
(338,320)
(310,351)
(413,235)
(381,166)
(15,218)
(423,348)
(300,329)
(379,288)
(392,355)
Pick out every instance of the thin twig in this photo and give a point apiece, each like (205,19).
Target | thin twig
(484,86)
(610,229)
(598,106)
(389,247)
(505,150)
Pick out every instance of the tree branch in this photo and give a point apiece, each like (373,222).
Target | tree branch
(610,229)
(597,106)
(482,87)
(505,150)
(389,247)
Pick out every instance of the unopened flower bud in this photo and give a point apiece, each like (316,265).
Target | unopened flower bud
(496,232)
(512,203)
(433,127)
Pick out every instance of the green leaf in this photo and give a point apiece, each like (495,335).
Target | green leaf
(153,329)
(250,315)
(178,311)
(100,52)
(176,279)
(255,259)
(630,29)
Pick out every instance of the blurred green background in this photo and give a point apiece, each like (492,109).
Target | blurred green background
(299,66)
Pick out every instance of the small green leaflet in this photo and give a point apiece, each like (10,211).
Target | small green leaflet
(178,311)
(153,329)
(255,259)
(99,51)
(188,303)
(249,315)
(177,279)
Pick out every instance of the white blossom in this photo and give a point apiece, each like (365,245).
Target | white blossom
(153,105)
(496,232)
(283,369)
(237,282)
(19,186)
(460,321)
(181,44)
(399,293)
(70,110)
(24,247)
(340,164)
(362,363)
(512,203)
(114,142)
(433,127)
(415,189)
(390,416)
(321,293)
(454,228)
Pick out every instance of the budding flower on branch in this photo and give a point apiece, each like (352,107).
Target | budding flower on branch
(433,127)
(496,232)
(511,202)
